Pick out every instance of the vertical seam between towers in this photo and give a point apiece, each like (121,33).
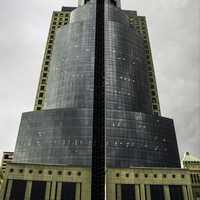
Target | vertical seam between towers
(98,144)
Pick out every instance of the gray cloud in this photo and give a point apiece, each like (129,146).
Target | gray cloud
(174,29)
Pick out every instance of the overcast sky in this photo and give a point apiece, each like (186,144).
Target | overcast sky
(174,28)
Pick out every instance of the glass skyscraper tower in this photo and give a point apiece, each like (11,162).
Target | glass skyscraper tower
(97,104)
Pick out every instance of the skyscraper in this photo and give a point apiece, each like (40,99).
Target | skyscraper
(97,105)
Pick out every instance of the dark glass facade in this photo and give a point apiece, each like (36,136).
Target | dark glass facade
(98,89)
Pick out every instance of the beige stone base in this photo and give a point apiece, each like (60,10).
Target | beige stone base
(141,179)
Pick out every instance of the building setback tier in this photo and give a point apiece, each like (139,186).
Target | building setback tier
(64,136)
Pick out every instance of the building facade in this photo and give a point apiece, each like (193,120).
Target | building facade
(96,131)
(1,178)
(7,157)
(192,163)
(30,182)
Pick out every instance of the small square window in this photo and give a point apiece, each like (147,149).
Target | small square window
(45,75)
(11,170)
(79,173)
(155,107)
(152,87)
(164,176)
(41,94)
(49,172)
(59,172)
(127,175)
(117,174)
(42,88)
(40,102)
(69,173)
(43,81)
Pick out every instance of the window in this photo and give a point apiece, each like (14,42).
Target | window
(42,88)
(151,80)
(117,174)
(59,172)
(68,191)
(49,51)
(155,107)
(157,192)
(152,87)
(79,173)
(43,81)
(18,189)
(69,173)
(38,108)
(45,75)
(153,93)
(11,170)
(164,176)
(49,172)
(40,102)
(47,62)
(154,100)
(176,192)
(38,190)
(127,192)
